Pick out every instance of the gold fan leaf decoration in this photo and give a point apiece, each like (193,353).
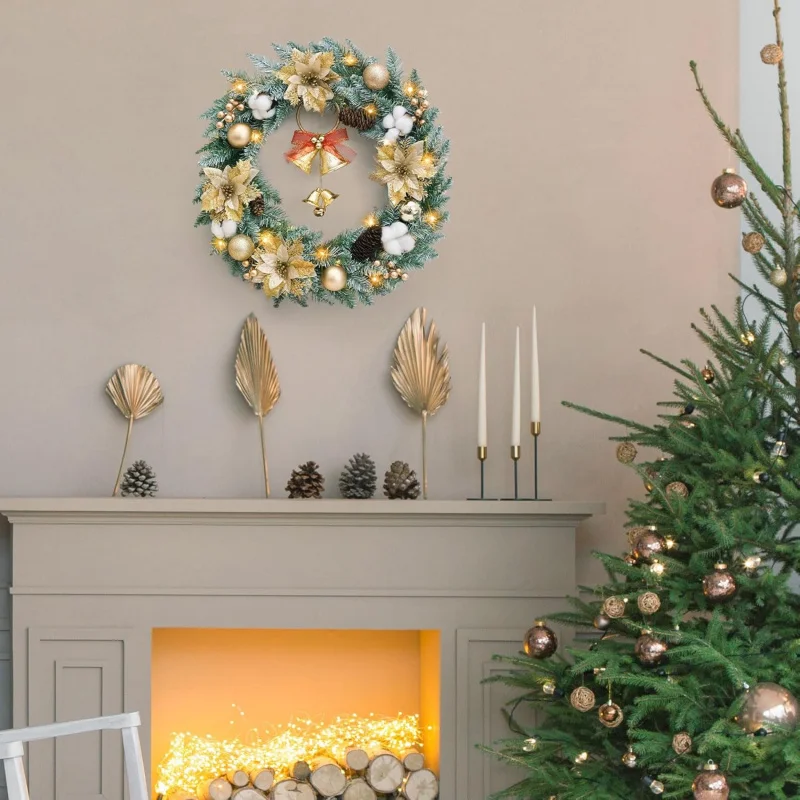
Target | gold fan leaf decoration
(257,379)
(421,375)
(134,390)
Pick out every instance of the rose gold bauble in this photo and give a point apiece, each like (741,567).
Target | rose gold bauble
(768,706)
(239,135)
(729,190)
(240,247)
(710,784)
(376,76)
(647,545)
(719,585)
(649,650)
(540,641)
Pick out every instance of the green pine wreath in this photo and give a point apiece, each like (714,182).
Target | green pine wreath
(250,229)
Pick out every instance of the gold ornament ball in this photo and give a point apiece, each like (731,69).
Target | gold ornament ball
(601,622)
(710,784)
(239,135)
(772,54)
(334,278)
(549,688)
(629,759)
(796,312)
(729,190)
(649,650)
(682,743)
(708,374)
(778,277)
(648,603)
(647,545)
(753,242)
(582,699)
(626,452)
(614,607)
(768,706)
(376,76)
(610,715)
(678,489)
(720,585)
(240,247)
(540,641)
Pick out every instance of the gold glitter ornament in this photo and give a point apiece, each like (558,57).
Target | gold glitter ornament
(753,242)
(626,452)
(238,135)
(677,489)
(648,603)
(376,76)
(610,715)
(614,607)
(582,699)
(240,247)
(710,784)
(647,545)
(682,743)
(772,54)
(778,277)
(729,190)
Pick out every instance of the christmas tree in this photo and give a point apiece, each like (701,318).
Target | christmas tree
(689,687)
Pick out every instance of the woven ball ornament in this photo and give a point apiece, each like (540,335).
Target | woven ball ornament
(626,452)
(682,743)
(610,715)
(648,603)
(582,699)
(772,54)
(753,242)
(677,489)
(257,233)
(614,607)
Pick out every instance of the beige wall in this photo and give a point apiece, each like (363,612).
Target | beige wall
(581,159)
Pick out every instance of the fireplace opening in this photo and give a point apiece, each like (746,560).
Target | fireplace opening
(225,700)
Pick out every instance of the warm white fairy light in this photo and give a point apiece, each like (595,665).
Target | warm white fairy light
(193,759)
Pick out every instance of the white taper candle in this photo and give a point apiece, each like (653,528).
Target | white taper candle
(536,408)
(516,410)
(482,433)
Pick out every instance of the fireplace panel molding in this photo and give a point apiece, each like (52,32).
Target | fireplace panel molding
(92,578)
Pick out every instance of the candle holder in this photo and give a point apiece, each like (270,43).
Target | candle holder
(516,452)
(536,430)
(482,455)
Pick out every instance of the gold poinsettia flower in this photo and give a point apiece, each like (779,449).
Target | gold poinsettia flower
(282,266)
(308,78)
(403,168)
(229,190)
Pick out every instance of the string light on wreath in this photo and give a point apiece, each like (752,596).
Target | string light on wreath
(371,97)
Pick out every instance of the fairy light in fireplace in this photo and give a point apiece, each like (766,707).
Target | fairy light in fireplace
(192,759)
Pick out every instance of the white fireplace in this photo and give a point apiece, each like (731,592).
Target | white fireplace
(174,607)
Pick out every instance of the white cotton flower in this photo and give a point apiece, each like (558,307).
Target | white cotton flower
(261,104)
(396,239)
(223,229)
(398,123)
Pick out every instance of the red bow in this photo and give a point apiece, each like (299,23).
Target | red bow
(332,153)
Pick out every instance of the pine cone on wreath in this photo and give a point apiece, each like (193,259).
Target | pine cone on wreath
(400,482)
(366,247)
(306,481)
(257,206)
(356,118)
(358,479)
(139,481)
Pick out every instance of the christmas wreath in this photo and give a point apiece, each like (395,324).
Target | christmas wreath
(250,228)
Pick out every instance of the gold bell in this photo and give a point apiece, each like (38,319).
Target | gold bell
(320,199)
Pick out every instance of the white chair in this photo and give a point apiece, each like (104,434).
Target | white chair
(12,752)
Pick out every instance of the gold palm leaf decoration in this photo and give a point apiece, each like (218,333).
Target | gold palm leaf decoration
(421,374)
(135,392)
(257,379)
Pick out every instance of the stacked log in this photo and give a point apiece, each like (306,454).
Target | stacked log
(363,776)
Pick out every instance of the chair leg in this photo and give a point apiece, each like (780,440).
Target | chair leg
(134,765)
(16,784)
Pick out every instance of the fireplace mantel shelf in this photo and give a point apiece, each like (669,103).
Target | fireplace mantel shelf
(209,511)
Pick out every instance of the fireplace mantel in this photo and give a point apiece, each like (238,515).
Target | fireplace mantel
(92,579)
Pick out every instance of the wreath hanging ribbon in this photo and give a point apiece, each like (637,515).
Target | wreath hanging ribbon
(333,154)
